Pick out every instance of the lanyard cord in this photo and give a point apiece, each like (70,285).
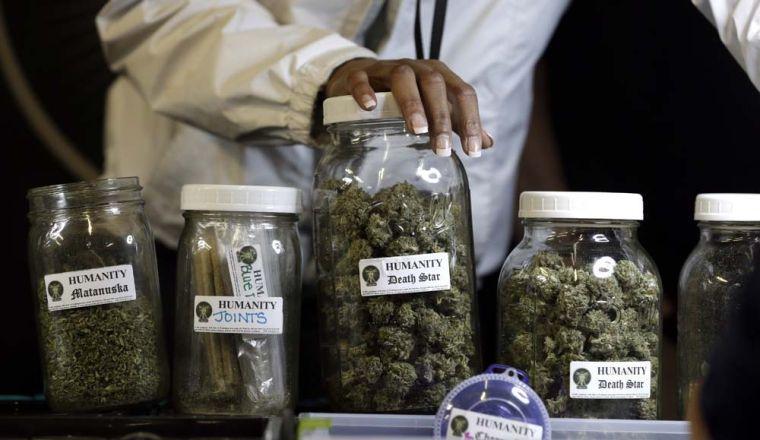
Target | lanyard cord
(439,16)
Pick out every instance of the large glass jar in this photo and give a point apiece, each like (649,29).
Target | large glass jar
(395,264)
(93,269)
(711,278)
(238,300)
(579,306)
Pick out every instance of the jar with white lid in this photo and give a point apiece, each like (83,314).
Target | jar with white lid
(238,300)
(711,278)
(579,306)
(395,264)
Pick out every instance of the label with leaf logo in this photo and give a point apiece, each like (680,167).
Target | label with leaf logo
(91,287)
(470,425)
(405,274)
(230,314)
(247,271)
(610,380)
(251,310)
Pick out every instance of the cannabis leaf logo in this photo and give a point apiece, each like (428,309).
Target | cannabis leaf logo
(371,274)
(459,425)
(55,290)
(582,377)
(247,255)
(203,310)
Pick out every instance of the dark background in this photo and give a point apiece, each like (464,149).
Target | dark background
(643,98)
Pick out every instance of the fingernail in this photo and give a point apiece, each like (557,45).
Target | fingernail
(419,123)
(474,145)
(443,145)
(368,102)
(490,138)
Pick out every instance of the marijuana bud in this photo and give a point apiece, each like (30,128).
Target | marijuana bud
(378,231)
(396,342)
(380,310)
(554,313)
(397,352)
(403,245)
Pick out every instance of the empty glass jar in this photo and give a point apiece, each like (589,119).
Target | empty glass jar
(93,269)
(238,300)
(395,264)
(579,306)
(711,278)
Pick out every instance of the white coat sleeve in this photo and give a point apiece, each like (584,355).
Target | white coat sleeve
(226,66)
(738,23)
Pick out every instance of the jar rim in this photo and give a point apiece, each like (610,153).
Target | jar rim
(336,126)
(106,184)
(345,108)
(730,224)
(79,194)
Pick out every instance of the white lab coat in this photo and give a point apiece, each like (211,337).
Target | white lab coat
(222,91)
(738,24)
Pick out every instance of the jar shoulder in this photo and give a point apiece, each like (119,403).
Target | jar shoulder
(579,253)
(375,169)
(716,267)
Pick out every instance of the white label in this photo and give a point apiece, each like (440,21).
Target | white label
(407,274)
(231,314)
(91,287)
(610,380)
(247,272)
(466,425)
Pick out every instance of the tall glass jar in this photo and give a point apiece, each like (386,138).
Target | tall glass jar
(711,278)
(579,306)
(395,264)
(94,274)
(238,300)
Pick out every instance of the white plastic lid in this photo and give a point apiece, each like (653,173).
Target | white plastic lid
(241,198)
(581,205)
(727,207)
(345,108)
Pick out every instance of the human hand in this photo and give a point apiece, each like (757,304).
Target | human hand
(431,97)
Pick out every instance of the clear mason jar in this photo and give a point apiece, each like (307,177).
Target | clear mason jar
(579,306)
(395,264)
(93,268)
(238,300)
(711,278)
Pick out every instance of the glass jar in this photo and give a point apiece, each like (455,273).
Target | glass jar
(395,264)
(579,306)
(93,269)
(711,278)
(238,300)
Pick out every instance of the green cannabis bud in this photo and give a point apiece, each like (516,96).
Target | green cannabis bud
(554,313)
(399,352)
(106,356)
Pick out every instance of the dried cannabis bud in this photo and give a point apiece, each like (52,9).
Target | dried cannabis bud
(553,314)
(105,356)
(393,352)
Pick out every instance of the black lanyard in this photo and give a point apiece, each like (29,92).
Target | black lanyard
(439,16)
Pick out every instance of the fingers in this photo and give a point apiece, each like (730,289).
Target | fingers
(431,98)
(466,113)
(404,88)
(433,90)
(361,90)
